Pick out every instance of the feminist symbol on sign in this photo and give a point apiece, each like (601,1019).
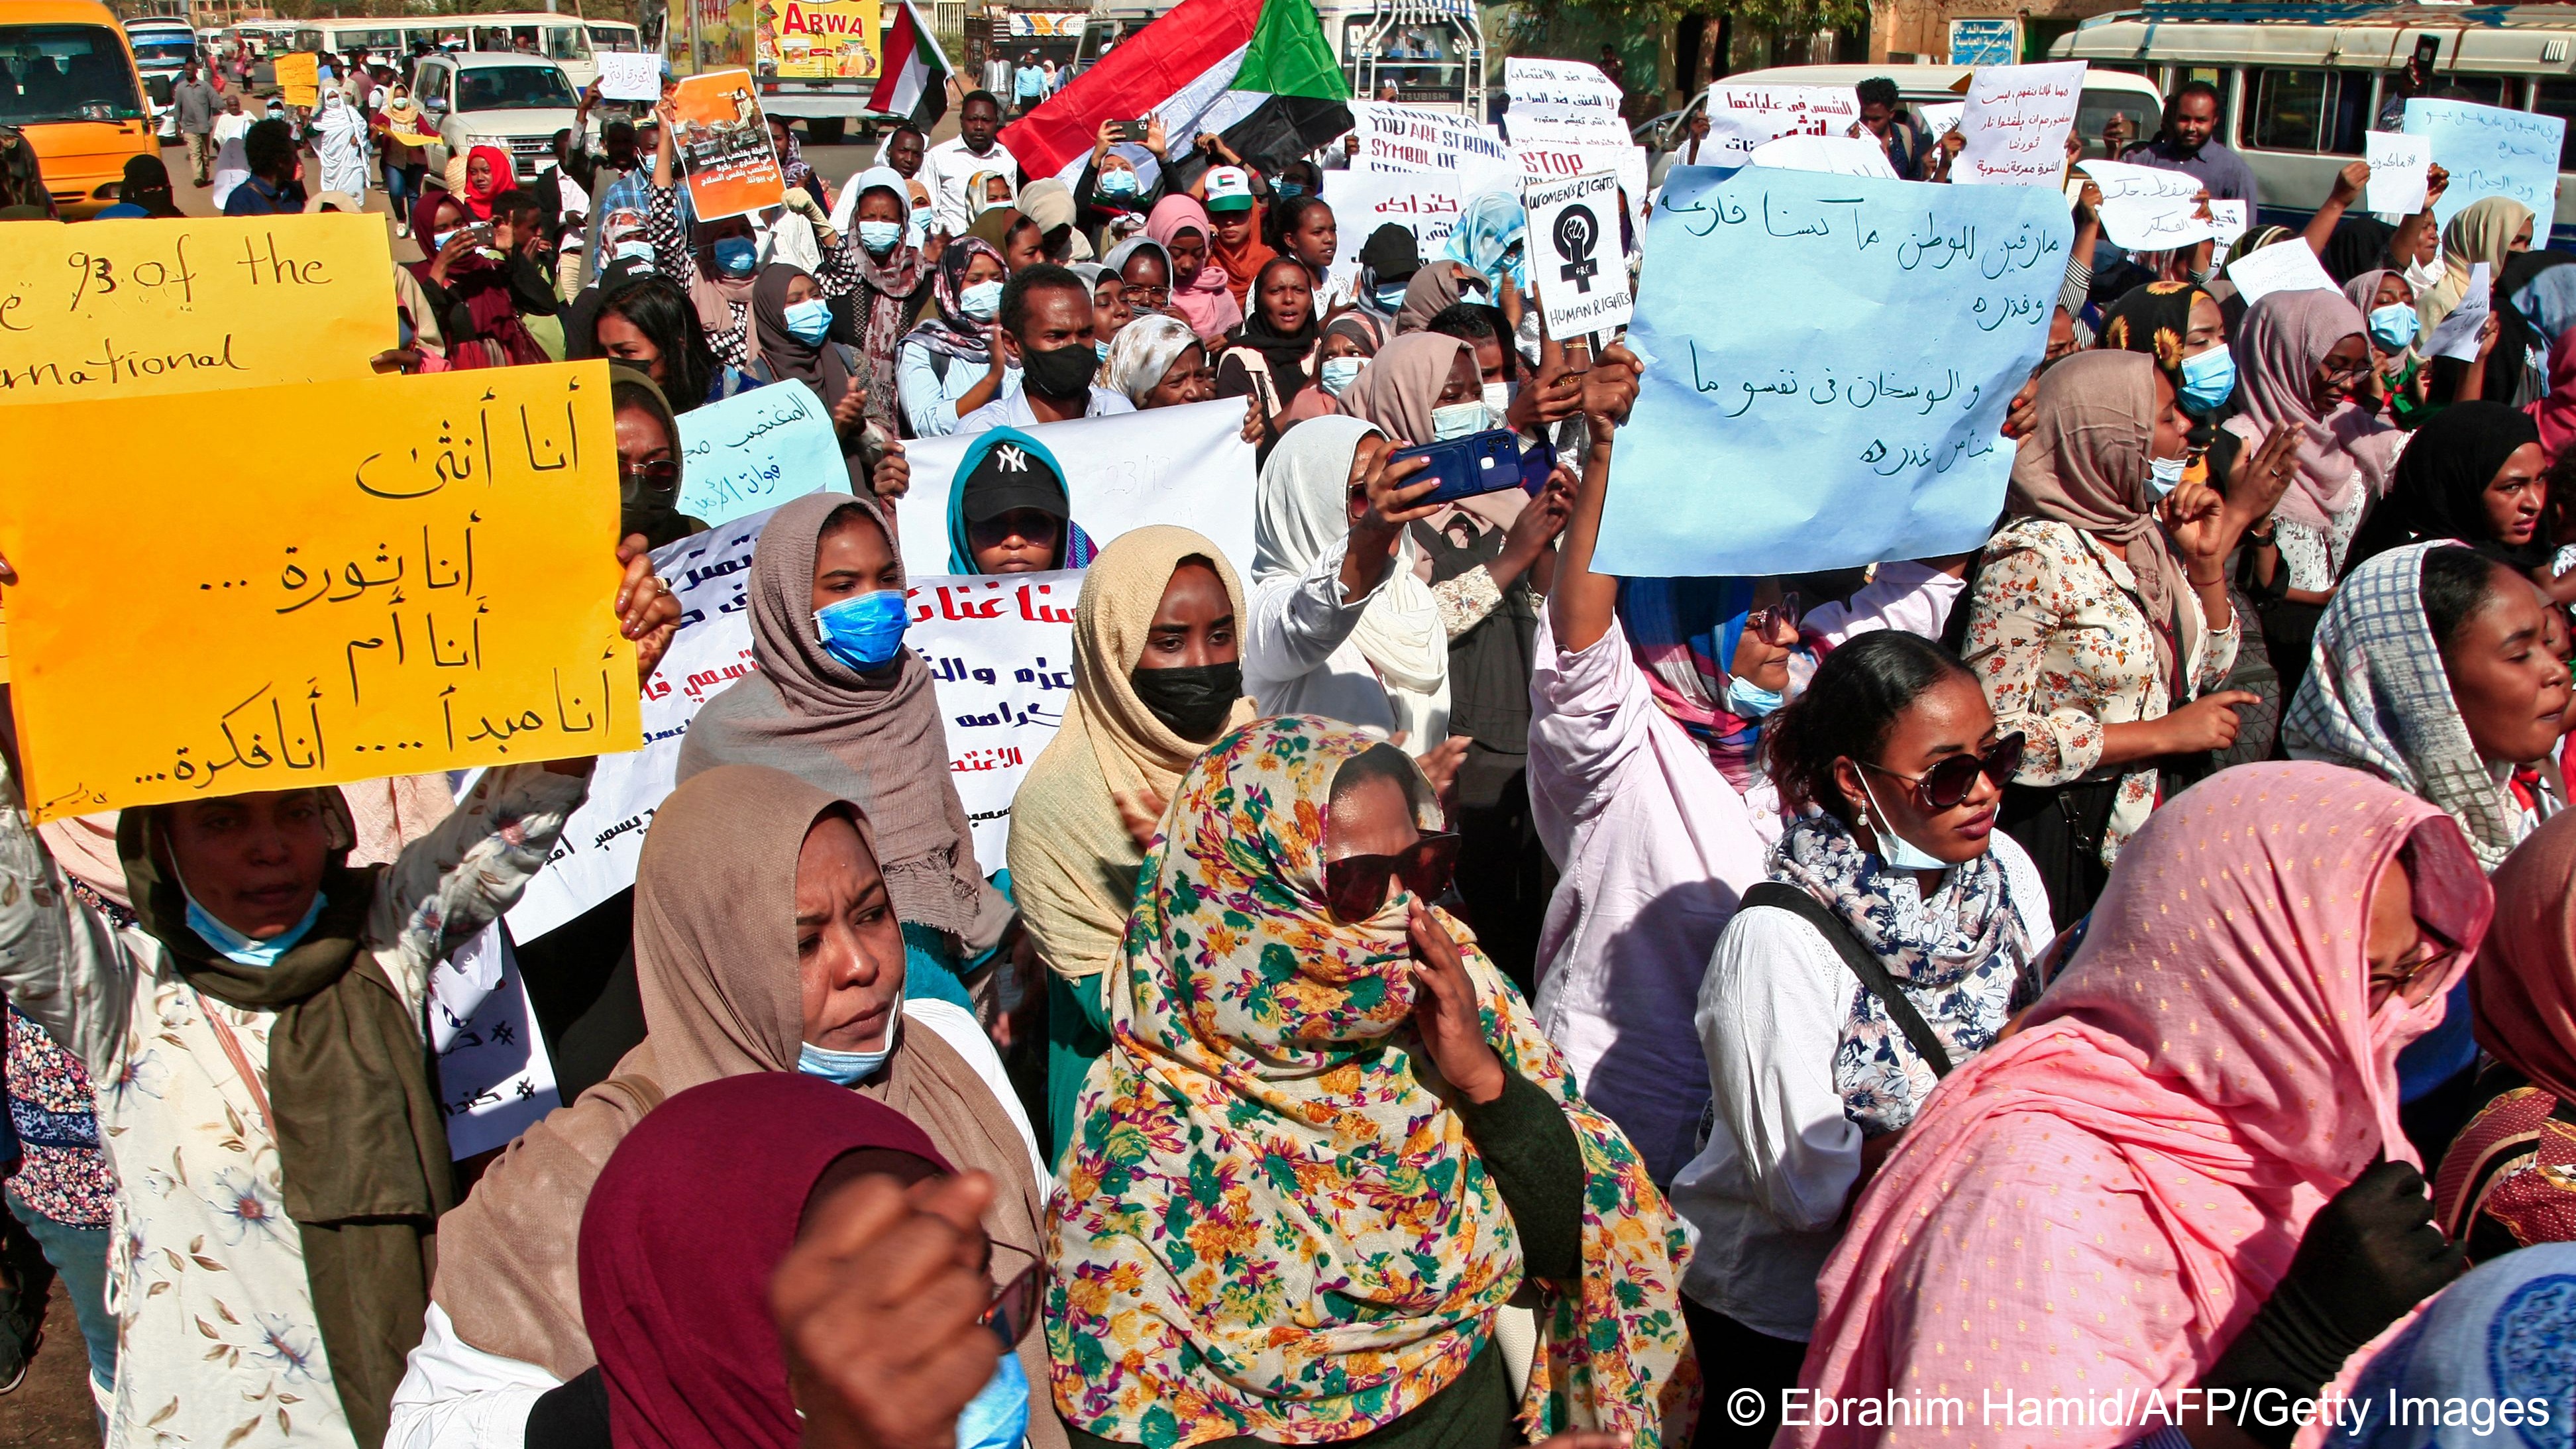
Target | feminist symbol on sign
(1576,233)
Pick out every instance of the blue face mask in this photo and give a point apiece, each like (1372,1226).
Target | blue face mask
(2164,475)
(1747,700)
(1390,298)
(1336,373)
(865,632)
(1899,852)
(736,256)
(1101,349)
(1287,190)
(1458,420)
(923,218)
(810,320)
(998,1416)
(981,302)
(848,1069)
(2393,327)
(879,237)
(1121,182)
(632,251)
(234,946)
(2208,379)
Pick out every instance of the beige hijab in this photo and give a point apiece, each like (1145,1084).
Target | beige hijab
(715,961)
(2084,464)
(1091,803)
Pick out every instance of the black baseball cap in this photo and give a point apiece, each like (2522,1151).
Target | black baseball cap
(1390,254)
(1012,475)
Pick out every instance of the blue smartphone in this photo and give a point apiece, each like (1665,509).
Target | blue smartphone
(1538,464)
(1485,462)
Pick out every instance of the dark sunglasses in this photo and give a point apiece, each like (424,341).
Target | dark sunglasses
(1785,614)
(1015,1307)
(1946,784)
(1355,885)
(660,473)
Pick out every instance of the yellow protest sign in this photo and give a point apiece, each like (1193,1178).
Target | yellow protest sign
(421,579)
(300,77)
(141,307)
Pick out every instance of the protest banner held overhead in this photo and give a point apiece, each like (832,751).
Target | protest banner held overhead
(630,75)
(1410,140)
(1741,117)
(2490,151)
(2399,167)
(1425,203)
(431,591)
(1861,424)
(2016,123)
(1574,254)
(754,451)
(724,146)
(299,79)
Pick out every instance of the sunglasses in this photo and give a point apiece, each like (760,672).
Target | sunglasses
(1015,1307)
(1946,784)
(1782,617)
(2431,956)
(660,473)
(1355,885)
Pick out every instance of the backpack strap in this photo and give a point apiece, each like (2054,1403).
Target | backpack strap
(940,362)
(1864,964)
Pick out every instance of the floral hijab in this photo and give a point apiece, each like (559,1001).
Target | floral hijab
(1273,1223)
(953,332)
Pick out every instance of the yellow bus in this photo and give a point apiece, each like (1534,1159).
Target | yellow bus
(68,80)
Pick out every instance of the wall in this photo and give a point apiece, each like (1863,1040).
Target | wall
(1923,26)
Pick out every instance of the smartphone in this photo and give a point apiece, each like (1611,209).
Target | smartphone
(1538,464)
(2428,49)
(1485,462)
(1135,130)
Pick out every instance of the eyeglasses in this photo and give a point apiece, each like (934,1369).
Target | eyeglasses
(2332,371)
(1781,617)
(2432,956)
(1355,885)
(1015,1307)
(1947,783)
(1148,296)
(659,473)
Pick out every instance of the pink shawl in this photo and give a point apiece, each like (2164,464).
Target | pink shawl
(2097,1204)
(2277,348)
(2555,411)
(1207,303)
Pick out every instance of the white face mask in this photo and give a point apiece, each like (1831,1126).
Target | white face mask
(1457,420)
(1336,373)
(1498,400)
(2164,475)
(1899,852)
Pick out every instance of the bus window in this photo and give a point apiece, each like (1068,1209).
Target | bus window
(1424,59)
(2486,90)
(2558,98)
(565,42)
(64,73)
(2309,110)
(306,41)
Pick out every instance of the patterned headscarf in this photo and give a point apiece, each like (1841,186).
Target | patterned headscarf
(1683,633)
(1273,1223)
(2502,1335)
(2378,699)
(888,288)
(2153,319)
(1488,235)
(2341,449)
(952,332)
(1144,350)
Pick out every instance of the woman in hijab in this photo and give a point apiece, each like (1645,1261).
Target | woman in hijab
(763,944)
(2400,384)
(719,261)
(2494,1343)
(1236,247)
(1437,286)
(1157,676)
(852,712)
(1238,1250)
(2474,473)
(648,460)
(1048,204)
(1268,356)
(2304,352)
(1010,512)
(145,192)
(1157,361)
(1111,197)
(948,366)
(340,141)
(2539,310)
(477,296)
(2100,613)
(1489,241)
(1200,297)
(2111,1201)
(402,134)
(2509,1178)
(486,174)
(2179,325)
(1343,352)
(986,192)
(2487,230)
(1144,272)
(893,282)
(1012,236)
(793,324)
(1341,625)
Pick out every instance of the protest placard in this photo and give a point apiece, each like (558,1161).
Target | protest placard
(1187,465)
(299,79)
(724,146)
(1537,83)
(1832,155)
(2490,151)
(1425,203)
(1000,651)
(430,591)
(2456,336)
(2227,222)
(134,308)
(1741,117)
(1860,423)
(2016,122)
(630,75)
(2148,209)
(1574,254)
(755,450)
(494,1077)
(2398,164)
(1940,118)
(2284,266)
(1411,139)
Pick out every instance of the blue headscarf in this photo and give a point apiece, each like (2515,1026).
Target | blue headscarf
(1492,224)
(2548,303)
(1683,633)
(1077,549)
(2504,1332)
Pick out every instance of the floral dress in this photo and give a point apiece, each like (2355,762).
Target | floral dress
(2058,639)
(217,1343)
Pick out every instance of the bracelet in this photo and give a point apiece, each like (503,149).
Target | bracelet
(2206,583)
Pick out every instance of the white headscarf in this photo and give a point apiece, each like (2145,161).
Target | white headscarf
(1144,350)
(1301,510)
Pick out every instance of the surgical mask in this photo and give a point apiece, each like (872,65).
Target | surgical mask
(2164,475)
(1121,182)
(1102,349)
(632,251)
(809,320)
(234,946)
(736,256)
(848,1069)
(982,301)
(1060,372)
(1457,420)
(2394,326)
(2420,275)
(1498,401)
(922,219)
(1191,700)
(1390,297)
(2208,379)
(438,240)
(865,632)
(1287,190)
(879,237)
(1336,373)
(998,1416)
(1747,700)
(1899,852)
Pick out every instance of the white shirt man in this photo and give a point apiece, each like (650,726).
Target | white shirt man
(945,169)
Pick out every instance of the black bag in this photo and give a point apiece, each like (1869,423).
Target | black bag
(1863,963)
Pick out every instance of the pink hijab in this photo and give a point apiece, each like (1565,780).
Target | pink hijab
(1206,303)
(2098,1203)
(2277,348)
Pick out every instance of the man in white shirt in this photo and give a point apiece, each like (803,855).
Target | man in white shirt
(947,166)
(1047,334)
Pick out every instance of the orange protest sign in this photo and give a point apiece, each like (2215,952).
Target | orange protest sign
(431,591)
(724,146)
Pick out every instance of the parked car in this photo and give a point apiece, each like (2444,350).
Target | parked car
(514,102)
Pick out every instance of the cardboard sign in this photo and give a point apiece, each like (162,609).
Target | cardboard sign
(2490,151)
(429,591)
(2147,208)
(1574,254)
(630,75)
(1859,337)
(2398,171)
(299,79)
(2016,123)
(2284,266)
(819,38)
(724,146)
(494,1078)
(1412,140)
(1425,203)
(755,450)
(2456,336)
(1743,117)
(145,307)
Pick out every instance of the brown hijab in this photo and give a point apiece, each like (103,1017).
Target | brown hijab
(2084,464)
(715,962)
(874,740)
(1401,385)
(1431,292)
(2522,990)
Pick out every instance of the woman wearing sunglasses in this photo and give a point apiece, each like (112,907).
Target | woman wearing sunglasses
(766,940)
(1896,766)
(648,460)
(1328,1145)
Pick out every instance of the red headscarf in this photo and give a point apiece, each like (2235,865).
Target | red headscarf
(2555,410)
(479,201)
(1242,263)
(2523,987)
(678,1314)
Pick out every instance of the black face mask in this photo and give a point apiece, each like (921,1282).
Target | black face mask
(1191,700)
(1063,374)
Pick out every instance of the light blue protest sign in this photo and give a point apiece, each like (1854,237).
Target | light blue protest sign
(1828,360)
(2491,151)
(756,450)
